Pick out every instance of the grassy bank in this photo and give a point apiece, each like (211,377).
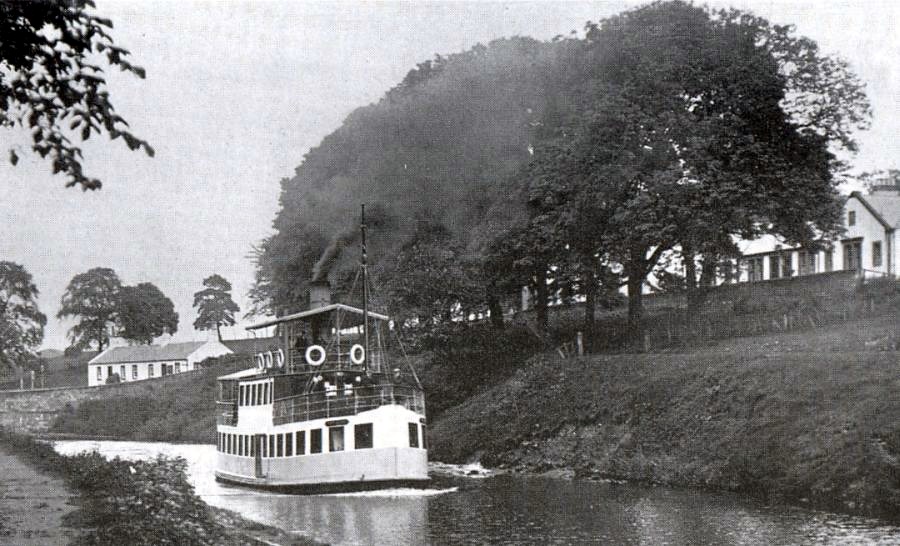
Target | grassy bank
(127,502)
(772,417)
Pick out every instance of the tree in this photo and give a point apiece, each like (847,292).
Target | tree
(145,313)
(52,81)
(688,128)
(215,307)
(93,298)
(21,323)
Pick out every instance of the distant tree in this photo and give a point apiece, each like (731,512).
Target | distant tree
(214,305)
(145,313)
(52,81)
(21,323)
(93,299)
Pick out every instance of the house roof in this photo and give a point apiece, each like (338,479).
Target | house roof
(316,311)
(148,353)
(885,207)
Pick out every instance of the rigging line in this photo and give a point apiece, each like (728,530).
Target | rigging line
(406,359)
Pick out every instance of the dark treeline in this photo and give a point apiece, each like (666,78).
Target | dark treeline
(573,167)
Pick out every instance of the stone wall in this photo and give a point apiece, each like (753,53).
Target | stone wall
(34,410)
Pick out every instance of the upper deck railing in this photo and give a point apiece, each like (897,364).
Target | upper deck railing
(325,405)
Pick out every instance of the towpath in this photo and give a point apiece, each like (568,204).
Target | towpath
(32,505)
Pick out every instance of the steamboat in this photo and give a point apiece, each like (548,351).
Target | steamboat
(324,410)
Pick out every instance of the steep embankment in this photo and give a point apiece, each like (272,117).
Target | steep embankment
(777,417)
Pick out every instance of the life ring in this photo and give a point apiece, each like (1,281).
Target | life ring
(357,354)
(315,349)
(260,361)
(279,358)
(270,362)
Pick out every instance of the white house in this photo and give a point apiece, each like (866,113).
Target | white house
(148,361)
(867,247)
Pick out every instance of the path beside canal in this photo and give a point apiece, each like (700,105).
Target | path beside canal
(32,505)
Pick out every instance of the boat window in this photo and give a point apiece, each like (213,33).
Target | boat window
(336,439)
(301,442)
(254,398)
(271,445)
(228,443)
(362,436)
(424,438)
(243,438)
(218,441)
(262,445)
(265,393)
(280,452)
(252,442)
(413,435)
(241,390)
(289,444)
(246,446)
(315,441)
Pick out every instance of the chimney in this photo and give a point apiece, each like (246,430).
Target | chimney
(319,294)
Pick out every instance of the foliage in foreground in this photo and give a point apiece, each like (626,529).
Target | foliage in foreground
(126,502)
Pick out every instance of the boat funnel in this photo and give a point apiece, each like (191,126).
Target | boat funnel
(319,294)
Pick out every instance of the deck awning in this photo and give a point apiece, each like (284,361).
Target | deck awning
(249,372)
(334,307)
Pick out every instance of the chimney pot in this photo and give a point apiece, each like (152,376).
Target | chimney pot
(319,294)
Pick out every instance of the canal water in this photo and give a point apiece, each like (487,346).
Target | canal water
(514,510)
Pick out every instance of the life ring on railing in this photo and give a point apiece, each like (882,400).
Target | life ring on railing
(357,354)
(270,362)
(279,358)
(260,361)
(318,360)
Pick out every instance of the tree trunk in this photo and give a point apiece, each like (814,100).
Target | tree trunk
(496,310)
(540,302)
(635,308)
(590,298)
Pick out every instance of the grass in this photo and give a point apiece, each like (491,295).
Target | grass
(136,502)
(799,425)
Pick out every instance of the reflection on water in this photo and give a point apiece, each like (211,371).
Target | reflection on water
(514,510)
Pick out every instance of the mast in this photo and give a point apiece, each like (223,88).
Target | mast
(363,264)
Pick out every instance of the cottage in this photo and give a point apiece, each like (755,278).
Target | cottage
(868,246)
(148,361)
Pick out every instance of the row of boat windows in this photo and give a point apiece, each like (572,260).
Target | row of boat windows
(291,444)
(255,395)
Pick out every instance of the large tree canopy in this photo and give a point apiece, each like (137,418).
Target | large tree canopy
(52,57)
(683,128)
(145,313)
(21,323)
(214,305)
(92,298)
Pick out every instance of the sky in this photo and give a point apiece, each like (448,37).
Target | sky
(237,92)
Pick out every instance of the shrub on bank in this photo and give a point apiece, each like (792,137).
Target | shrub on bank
(125,502)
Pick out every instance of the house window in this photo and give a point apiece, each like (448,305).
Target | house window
(315,441)
(787,269)
(99,373)
(289,444)
(122,372)
(149,370)
(301,442)
(876,254)
(774,266)
(829,260)
(178,367)
(335,438)
(851,218)
(362,436)
(413,435)
(755,269)
(134,373)
(807,261)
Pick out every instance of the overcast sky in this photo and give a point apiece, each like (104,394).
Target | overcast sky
(237,92)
